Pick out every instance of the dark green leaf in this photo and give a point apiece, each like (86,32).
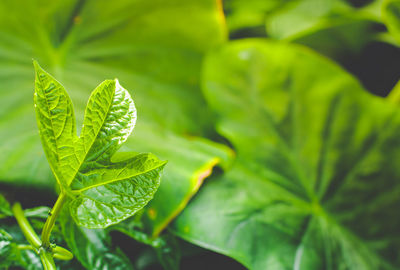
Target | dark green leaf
(30,260)
(92,247)
(165,246)
(168,252)
(333,27)
(8,250)
(315,185)
(23,256)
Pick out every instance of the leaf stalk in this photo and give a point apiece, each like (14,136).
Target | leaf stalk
(51,220)
(42,246)
(26,228)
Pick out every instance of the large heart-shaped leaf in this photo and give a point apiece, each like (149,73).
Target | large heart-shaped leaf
(154,47)
(316,183)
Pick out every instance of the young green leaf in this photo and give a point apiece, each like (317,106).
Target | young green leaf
(56,123)
(102,192)
(110,194)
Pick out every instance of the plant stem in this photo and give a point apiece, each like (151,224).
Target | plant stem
(46,252)
(42,246)
(24,247)
(47,260)
(26,228)
(48,226)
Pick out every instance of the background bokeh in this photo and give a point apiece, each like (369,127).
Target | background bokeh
(286,110)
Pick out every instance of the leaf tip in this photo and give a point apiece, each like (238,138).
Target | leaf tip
(35,64)
(37,67)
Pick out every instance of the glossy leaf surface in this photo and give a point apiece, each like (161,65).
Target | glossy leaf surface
(104,192)
(116,192)
(56,123)
(315,185)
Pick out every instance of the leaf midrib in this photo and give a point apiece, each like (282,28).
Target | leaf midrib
(77,191)
(52,129)
(91,144)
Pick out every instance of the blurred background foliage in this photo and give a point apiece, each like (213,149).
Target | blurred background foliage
(288,109)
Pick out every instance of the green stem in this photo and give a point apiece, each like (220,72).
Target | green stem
(43,247)
(47,259)
(26,228)
(25,247)
(51,220)
(46,251)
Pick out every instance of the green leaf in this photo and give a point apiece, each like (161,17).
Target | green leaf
(56,123)
(191,165)
(30,260)
(17,253)
(245,15)
(93,40)
(165,246)
(92,247)
(111,194)
(109,119)
(391,17)
(8,250)
(315,185)
(332,27)
(168,252)
(104,192)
